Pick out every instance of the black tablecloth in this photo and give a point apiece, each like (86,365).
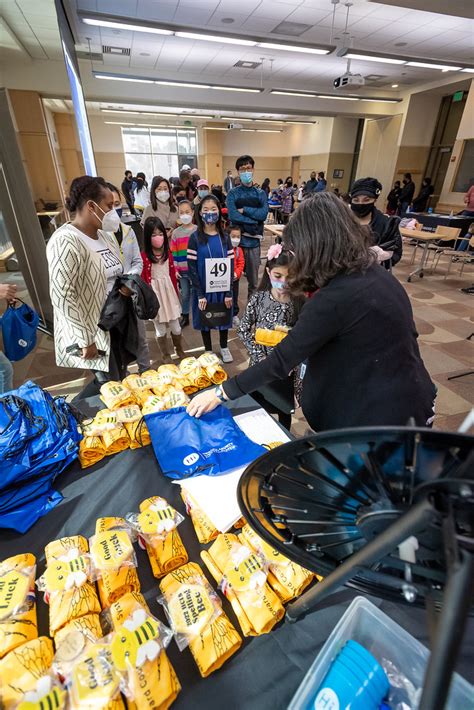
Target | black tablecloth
(431,221)
(267,670)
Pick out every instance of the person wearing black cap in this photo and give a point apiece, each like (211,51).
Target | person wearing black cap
(387,240)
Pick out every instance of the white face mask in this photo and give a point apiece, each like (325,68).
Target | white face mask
(235,242)
(162,195)
(110,220)
(186,218)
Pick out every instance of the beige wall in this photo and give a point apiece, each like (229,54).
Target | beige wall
(379,151)
(72,164)
(108,150)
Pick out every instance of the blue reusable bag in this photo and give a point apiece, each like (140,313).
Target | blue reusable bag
(19,326)
(212,445)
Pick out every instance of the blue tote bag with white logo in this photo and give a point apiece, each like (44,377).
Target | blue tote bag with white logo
(19,326)
(212,445)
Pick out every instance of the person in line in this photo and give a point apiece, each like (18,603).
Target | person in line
(202,191)
(279,186)
(179,250)
(270,306)
(217,191)
(311,184)
(247,206)
(162,204)
(266,186)
(7,292)
(406,194)
(186,183)
(210,253)
(301,190)
(235,234)
(160,272)
(179,193)
(132,264)
(393,198)
(386,239)
(287,200)
(321,183)
(468,211)
(83,263)
(127,190)
(420,202)
(141,194)
(229,182)
(356,333)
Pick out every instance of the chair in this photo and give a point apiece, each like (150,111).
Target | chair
(464,257)
(446,234)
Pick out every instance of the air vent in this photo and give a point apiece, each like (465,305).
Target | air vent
(376,79)
(91,56)
(120,51)
(292,29)
(242,64)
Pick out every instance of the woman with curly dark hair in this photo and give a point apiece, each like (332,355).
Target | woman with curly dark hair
(355,332)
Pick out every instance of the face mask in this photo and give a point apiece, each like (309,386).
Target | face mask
(246,178)
(110,222)
(210,217)
(279,285)
(235,243)
(119,211)
(362,210)
(157,241)
(139,182)
(203,193)
(186,218)
(162,195)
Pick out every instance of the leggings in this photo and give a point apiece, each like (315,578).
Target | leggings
(206,339)
(160,328)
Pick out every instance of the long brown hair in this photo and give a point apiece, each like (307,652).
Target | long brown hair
(154,202)
(327,240)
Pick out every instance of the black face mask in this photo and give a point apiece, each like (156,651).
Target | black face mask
(362,210)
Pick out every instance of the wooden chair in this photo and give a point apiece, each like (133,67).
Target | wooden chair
(446,234)
(464,257)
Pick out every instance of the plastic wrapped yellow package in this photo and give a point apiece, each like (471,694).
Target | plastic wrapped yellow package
(89,625)
(287,578)
(93,680)
(139,386)
(257,608)
(115,440)
(122,608)
(165,550)
(191,368)
(56,549)
(175,398)
(270,338)
(114,563)
(218,640)
(91,450)
(213,367)
(205,529)
(153,404)
(22,668)
(115,395)
(17,602)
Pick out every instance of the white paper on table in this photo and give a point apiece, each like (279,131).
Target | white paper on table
(217,495)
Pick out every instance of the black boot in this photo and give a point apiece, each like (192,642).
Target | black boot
(184,320)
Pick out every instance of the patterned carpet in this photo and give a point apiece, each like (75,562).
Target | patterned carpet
(444,318)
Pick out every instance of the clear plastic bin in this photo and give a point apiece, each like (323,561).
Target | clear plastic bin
(385,639)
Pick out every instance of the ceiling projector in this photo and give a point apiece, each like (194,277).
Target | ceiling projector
(348,79)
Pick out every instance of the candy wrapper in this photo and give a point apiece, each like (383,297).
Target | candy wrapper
(17,602)
(191,369)
(205,529)
(270,338)
(287,578)
(21,669)
(240,572)
(114,563)
(115,395)
(196,617)
(156,527)
(213,367)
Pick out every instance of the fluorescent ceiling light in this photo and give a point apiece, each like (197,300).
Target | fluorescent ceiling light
(300,123)
(247,130)
(268,130)
(338,98)
(153,113)
(125,26)
(468,71)
(183,84)
(427,65)
(280,92)
(382,101)
(236,88)
(123,78)
(370,58)
(235,118)
(293,48)
(215,128)
(215,38)
(119,123)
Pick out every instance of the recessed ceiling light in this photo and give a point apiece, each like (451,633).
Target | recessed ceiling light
(144,54)
(227,20)
(394,86)
(401,44)
(215,128)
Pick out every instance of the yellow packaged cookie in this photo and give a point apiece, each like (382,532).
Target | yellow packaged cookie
(192,600)
(243,580)
(22,668)
(17,602)
(205,529)
(115,395)
(47,694)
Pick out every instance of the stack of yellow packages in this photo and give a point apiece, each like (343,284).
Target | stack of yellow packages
(156,528)
(17,602)
(197,619)
(242,576)
(213,368)
(113,560)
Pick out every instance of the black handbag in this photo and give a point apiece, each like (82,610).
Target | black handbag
(215,315)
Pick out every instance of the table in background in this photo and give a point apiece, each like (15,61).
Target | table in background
(433,220)
(265,673)
(276,230)
(424,238)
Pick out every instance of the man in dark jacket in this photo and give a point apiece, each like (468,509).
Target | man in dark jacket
(406,193)
(127,190)
(321,183)
(385,232)
(311,185)
(420,202)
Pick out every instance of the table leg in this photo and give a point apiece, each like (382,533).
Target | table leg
(420,267)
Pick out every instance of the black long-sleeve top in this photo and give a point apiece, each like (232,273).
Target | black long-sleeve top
(364,367)
(407,192)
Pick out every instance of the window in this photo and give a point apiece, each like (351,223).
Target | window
(159,151)
(465,173)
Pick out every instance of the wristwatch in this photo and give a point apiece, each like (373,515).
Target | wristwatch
(219,392)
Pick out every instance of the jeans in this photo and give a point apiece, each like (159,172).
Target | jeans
(185,288)
(252,264)
(6,374)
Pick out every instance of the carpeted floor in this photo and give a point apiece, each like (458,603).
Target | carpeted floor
(444,317)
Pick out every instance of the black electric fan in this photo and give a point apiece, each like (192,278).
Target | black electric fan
(388,511)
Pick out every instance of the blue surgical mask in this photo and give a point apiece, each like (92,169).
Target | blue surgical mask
(210,217)
(280,285)
(203,193)
(246,178)
(119,211)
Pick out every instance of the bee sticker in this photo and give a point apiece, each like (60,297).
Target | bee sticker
(158,519)
(14,587)
(136,641)
(44,697)
(244,571)
(110,549)
(66,574)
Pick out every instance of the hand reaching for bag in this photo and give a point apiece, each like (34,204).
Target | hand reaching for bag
(202,403)
(8,291)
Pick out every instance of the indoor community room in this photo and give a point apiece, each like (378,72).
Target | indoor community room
(237,354)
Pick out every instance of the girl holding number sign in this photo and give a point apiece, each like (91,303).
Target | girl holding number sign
(211,270)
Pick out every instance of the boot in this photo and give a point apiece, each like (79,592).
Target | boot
(163,345)
(184,320)
(178,344)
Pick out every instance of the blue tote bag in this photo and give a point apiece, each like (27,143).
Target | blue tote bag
(212,445)
(19,326)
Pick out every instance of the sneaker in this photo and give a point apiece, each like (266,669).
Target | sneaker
(226,355)
(235,322)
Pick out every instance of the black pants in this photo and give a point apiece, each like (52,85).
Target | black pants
(206,339)
(235,295)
